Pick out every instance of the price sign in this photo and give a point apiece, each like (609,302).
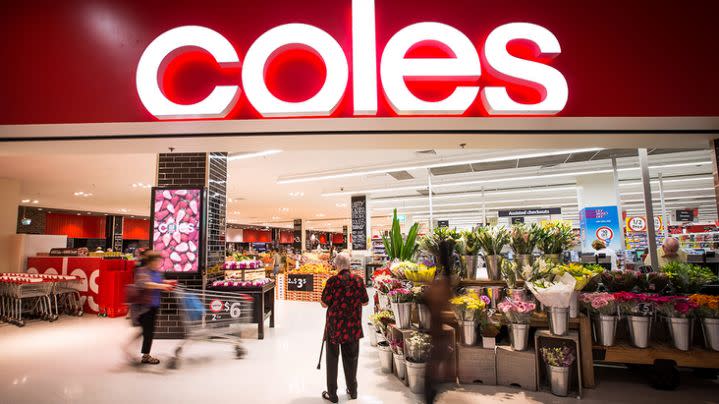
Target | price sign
(636,223)
(658,223)
(300,282)
(223,309)
(605,233)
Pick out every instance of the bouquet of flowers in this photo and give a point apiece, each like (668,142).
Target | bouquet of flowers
(654,282)
(397,346)
(581,274)
(398,268)
(381,272)
(542,269)
(688,278)
(558,357)
(674,306)
(555,237)
(423,272)
(385,284)
(599,303)
(630,303)
(488,327)
(556,293)
(707,306)
(492,240)
(418,294)
(517,310)
(418,347)
(468,305)
(523,238)
(400,295)
(471,242)
(381,319)
(509,273)
(620,281)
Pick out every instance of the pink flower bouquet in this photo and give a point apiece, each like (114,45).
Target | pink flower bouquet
(674,306)
(517,310)
(599,303)
(387,284)
(400,295)
(638,304)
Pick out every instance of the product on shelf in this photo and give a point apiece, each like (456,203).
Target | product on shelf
(244,264)
(314,268)
(258,283)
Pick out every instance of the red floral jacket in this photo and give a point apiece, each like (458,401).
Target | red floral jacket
(344,295)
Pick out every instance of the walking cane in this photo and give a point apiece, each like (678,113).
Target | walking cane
(324,337)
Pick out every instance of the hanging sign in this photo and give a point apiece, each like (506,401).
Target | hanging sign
(600,223)
(530,212)
(517,219)
(442,223)
(359,222)
(685,215)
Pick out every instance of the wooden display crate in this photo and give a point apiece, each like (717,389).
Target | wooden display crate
(448,368)
(516,368)
(543,338)
(318,281)
(476,365)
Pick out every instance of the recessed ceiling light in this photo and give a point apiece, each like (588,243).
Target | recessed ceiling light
(35,201)
(253,154)
(25,201)
(297,194)
(320,215)
(79,214)
(275,217)
(39,208)
(123,210)
(341,205)
(83,194)
(284,209)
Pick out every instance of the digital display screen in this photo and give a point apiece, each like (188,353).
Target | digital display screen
(176,228)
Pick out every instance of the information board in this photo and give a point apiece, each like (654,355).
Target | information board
(359,222)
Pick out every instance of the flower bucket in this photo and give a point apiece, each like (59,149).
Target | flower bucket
(383,301)
(519,336)
(524,260)
(553,258)
(372,335)
(495,294)
(558,380)
(605,328)
(471,262)
(469,332)
(558,320)
(380,337)
(385,356)
(424,316)
(493,268)
(639,330)
(711,333)
(681,332)
(415,376)
(402,314)
(574,305)
(400,367)
(489,342)
(520,293)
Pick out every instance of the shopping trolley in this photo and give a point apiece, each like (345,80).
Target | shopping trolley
(25,294)
(211,316)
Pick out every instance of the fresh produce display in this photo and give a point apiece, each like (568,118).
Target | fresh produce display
(396,247)
(245,264)
(176,229)
(242,284)
(314,268)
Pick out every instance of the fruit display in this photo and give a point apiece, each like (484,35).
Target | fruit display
(176,229)
(245,274)
(314,268)
(258,283)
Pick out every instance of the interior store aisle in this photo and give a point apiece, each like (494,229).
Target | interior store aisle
(78,360)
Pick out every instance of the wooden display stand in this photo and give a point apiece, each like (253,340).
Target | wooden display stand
(517,368)
(696,357)
(318,281)
(476,365)
(448,368)
(544,338)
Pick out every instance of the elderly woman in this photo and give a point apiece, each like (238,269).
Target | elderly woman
(343,296)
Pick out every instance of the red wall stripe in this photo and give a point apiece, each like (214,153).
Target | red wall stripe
(136,229)
(75,226)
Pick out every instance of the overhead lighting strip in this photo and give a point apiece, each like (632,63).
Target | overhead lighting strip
(253,155)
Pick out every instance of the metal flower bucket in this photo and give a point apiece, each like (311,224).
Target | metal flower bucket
(605,328)
(711,333)
(385,356)
(372,334)
(415,376)
(639,330)
(402,314)
(558,380)
(400,366)
(574,305)
(519,336)
(493,268)
(469,332)
(681,332)
(471,266)
(424,316)
(558,320)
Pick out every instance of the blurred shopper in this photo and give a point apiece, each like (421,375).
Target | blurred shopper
(276,261)
(600,247)
(437,300)
(343,296)
(145,303)
(668,252)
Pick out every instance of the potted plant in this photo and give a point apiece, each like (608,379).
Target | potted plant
(708,311)
(602,308)
(467,308)
(417,350)
(678,311)
(654,282)
(688,278)
(401,302)
(492,240)
(400,367)
(523,240)
(555,237)
(638,310)
(441,244)
(471,249)
(396,247)
(423,313)
(518,312)
(559,361)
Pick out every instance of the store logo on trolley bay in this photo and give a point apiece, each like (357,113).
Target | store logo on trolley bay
(395,68)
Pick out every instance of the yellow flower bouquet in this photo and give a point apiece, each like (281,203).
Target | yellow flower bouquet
(468,305)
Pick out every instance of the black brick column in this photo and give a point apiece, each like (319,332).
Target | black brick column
(38,217)
(195,170)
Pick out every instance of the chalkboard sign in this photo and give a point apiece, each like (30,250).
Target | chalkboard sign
(117,242)
(300,283)
(442,223)
(685,215)
(359,223)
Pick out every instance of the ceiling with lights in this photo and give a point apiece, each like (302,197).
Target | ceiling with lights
(272,187)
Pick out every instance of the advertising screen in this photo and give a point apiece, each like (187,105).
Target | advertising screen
(176,229)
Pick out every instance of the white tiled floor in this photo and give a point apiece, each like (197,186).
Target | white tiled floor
(78,360)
